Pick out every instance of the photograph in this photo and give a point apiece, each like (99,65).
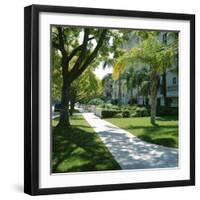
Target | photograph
(114,99)
(109,99)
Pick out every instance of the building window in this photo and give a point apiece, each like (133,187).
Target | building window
(174,81)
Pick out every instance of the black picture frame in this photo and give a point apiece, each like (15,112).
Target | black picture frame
(31,98)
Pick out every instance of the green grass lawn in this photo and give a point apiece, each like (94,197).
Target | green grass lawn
(78,148)
(164,133)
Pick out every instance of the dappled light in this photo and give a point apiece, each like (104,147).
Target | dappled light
(130,151)
(114,99)
(78,148)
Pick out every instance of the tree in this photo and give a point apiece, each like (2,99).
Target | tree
(66,41)
(56,76)
(79,48)
(144,90)
(85,88)
(143,82)
(136,77)
(152,52)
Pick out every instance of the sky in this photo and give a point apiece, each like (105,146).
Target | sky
(100,72)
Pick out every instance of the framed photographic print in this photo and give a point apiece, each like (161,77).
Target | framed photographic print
(109,99)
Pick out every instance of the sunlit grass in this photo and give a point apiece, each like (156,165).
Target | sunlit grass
(78,148)
(164,133)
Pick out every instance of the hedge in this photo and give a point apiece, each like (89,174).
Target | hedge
(126,114)
(164,111)
(105,113)
(141,112)
(109,113)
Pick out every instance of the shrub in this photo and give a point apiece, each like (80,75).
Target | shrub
(142,112)
(133,108)
(114,101)
(164,111)
(125,107)
(108,113)
(108,105)
(126,114)
(96,101)
(119,115)
(101,105)
(105,105)
(115,107)
(133,114)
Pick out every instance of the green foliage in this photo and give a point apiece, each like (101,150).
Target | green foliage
(108,113)
(73,38)
(150,51)
(141,112)
(110,110)
(134,114)
(86,87)
(126,114)
(96,101)
(131,111)
(118,115)
(115,107)
(56,75)
(81,57)
(165,111)
(145,88)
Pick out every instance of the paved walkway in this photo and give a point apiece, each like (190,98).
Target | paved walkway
(55,115)
(129,151)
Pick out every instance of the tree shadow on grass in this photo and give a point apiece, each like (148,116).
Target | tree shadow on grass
(76,117)
(165,135)
(152,127)
(81,126)
(167,118)
(77,150)
(165,141)
(134,153)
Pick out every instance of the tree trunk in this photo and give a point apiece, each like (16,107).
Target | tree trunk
(153,109)
(137,97)
(154,88)
(72,104)
(65,97)
(64,113)
(146,101)
(131,96)
(164,89)
(119,90)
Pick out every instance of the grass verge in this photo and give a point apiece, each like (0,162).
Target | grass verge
(78,148)
(165,132)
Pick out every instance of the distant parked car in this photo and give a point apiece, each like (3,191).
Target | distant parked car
(57,107)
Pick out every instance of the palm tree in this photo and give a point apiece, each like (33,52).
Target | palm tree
(152,53)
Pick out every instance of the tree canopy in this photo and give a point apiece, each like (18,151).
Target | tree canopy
(80,48)
(150,51)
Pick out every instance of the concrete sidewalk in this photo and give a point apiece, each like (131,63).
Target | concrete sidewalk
(129,151)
